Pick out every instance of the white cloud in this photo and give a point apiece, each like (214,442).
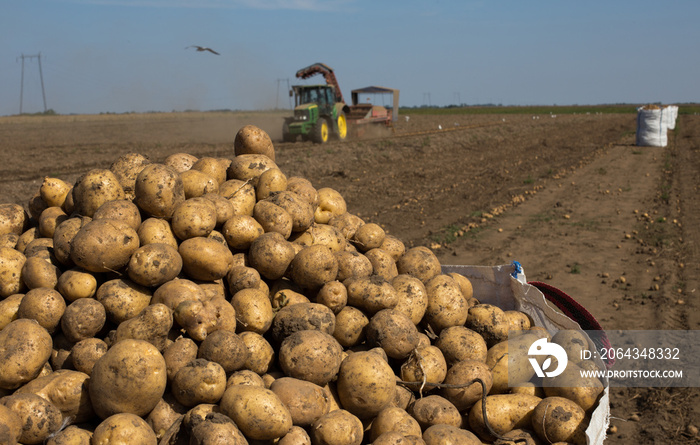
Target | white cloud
(301,5)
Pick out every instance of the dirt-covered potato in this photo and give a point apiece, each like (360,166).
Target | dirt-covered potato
(273,218)
(573,342)
(339,427)
(8,309)
(490,322)
(152,325)
(241,230)
(347,224)
(261,355)
(571,385)
(104,245)
(86,352)
(63,236)
(313,267)
(156,230)
(54,191)
(424,364)
(167,414)
(299,209)
(557,419)
(178,353)
(11,264)
(443,434)
(199,318)
(321,234)
(310,355)
(330,203)
(127,168)
(302,316)
(9,240)
(459,343)
(433,410)
(371,294)
(83,319)
(306,401)
(205,259)
(504,412)
(460,374)
(10,425)
(464,284)
(154,264)
(122,210)
(393,246)
(71,435)
(216,428)
(93,189)
(44,305)
(368,236)
(243,277)
(253,310)
(39,417)
(225,348)
(122,429)
(258,412)
(130,378)
(303,188)
(158,190)
(296,436)
(392,331)
(49,219)
(383,264)
(199,381)
(193,217)
(270,254)
(41,247)
(270,182)
(333,295)
(37,272)
(366,384)
(412,297)
(446,303)
(350,324)
(67,390)
(245,377)
(420,262)
(353,264)
(241,195)
(509,362)
(249,167)
(211,167)
(395,419)
(180,162)
(122,298)
(253,140)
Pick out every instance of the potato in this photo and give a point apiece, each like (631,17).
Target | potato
(424,364)
(296,436)
(216,428)
(350,325)
(200,318)
(243,277)
(306,401)
(130,378)
(10,425)
(49,219)
(504,412)
(86,352)
(321,234)
(300,210)
(36,205)
(122,210)
(382,264)
(11,264)
(271,181)
(253,140)
(39,417)
(152,325)
(509,362)
(420,262)
(180,162)
(249,167)
(462,373)
(83,319)
(353,264)
(8,309)
(154,264)
(273,218)
(574,343)
(41,247)
(54,191)
(63,237)
(442,434)
(9,240)
(366,384)
(199,381)
(127,168)
(122,429)
(103,245)
(156,230)
(72,435)
(241,195)
(178,353)
(394,419)
(270,254)
(371,294)
(571,385)
(347,224)
(205,259)
(93,189)
(158,190)
(459,343)
(464,284)
(44,305)
(67,390)
(339,427)
(27,237)
(333,295)
(394,332)
(258,412)
(225,348)
(167,414)
(368,236)
(446,304)
(393,246)
(304,188)
(37,272)
(433,410)
(556,419)
(211,167)
(310,355)
(330,203)
(261,355)
(241,230)
(122,298)
(490,322)
(224,208)
(193,217)
(253,310)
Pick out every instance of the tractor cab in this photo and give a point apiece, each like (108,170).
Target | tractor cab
(316,114)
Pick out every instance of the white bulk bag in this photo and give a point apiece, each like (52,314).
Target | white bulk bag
(651,127)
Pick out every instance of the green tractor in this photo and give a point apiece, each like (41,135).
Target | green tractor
(319,110)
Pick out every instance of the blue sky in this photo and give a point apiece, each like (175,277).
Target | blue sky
(129,55)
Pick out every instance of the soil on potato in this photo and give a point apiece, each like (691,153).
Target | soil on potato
(571,197)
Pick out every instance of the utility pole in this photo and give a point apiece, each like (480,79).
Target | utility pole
(41,77)
(424,97)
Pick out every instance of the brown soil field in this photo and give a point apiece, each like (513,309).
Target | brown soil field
(571,197)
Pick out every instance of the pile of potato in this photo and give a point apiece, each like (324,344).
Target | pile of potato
(218,301)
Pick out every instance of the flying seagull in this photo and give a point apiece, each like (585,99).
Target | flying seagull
(203,48)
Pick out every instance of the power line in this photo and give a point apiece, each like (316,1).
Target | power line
(41,77)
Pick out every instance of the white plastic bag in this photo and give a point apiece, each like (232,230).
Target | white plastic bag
(652,127)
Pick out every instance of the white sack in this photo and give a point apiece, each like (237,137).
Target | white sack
(652,128)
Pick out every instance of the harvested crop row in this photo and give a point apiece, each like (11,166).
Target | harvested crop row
(219,301)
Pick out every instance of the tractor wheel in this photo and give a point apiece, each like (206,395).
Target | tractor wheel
(320,132)
(342,126)
(286,135)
